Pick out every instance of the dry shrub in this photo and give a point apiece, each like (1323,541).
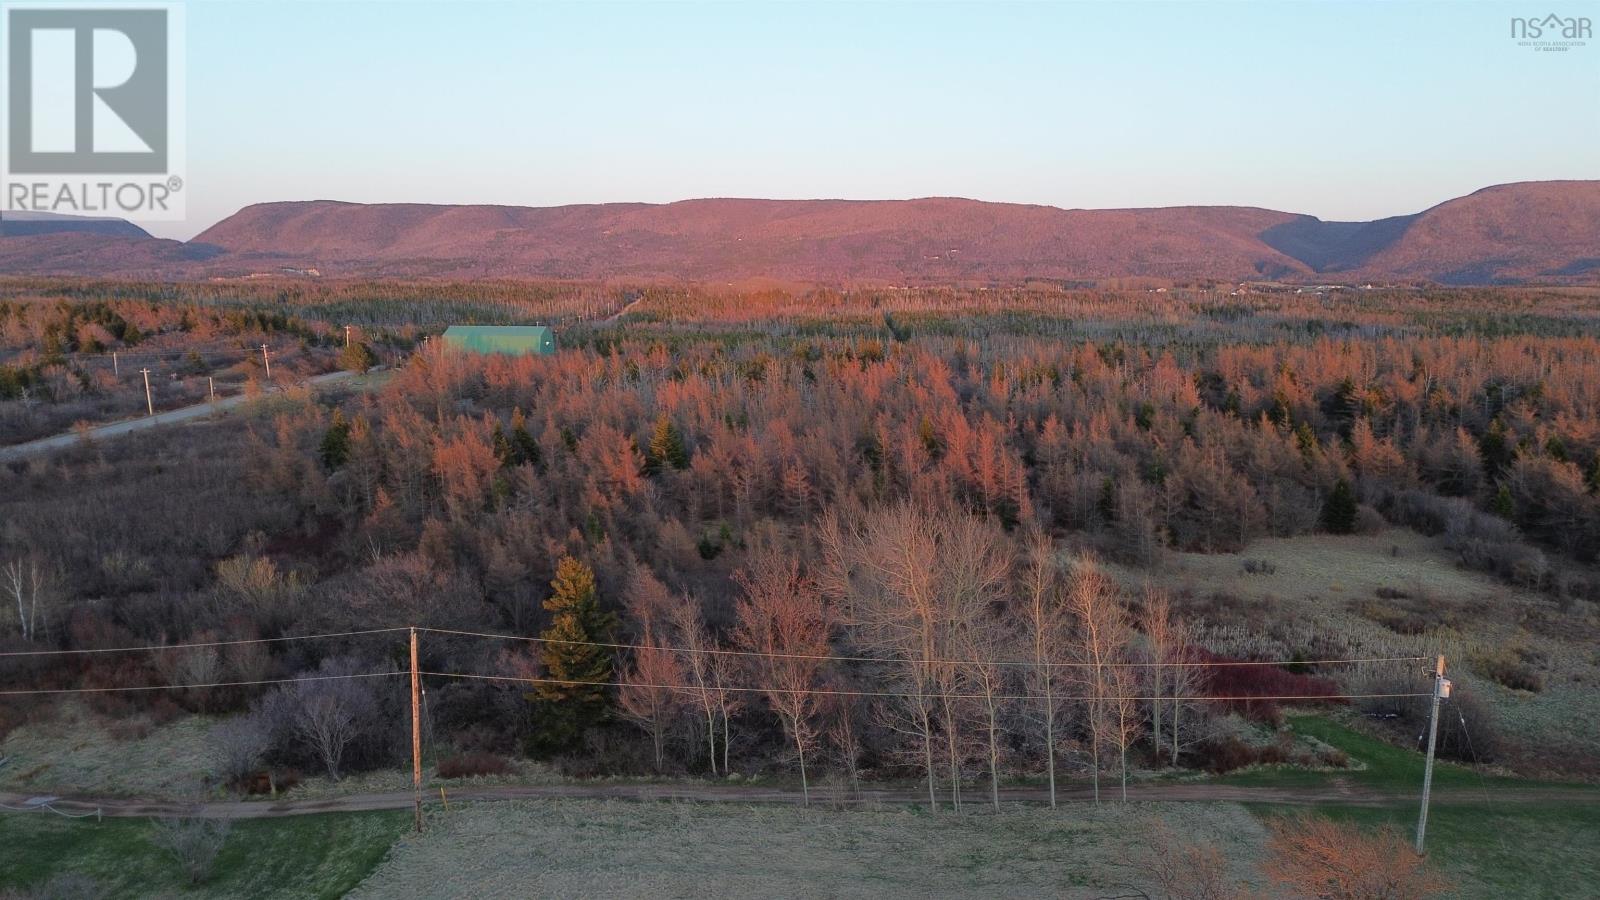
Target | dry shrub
(1512,666)
(194,843)
(468,765)
(269,781)
(1313,857)
(1221,755)
(1261,681)
(1467,730)
(1185,870)
(1407,612)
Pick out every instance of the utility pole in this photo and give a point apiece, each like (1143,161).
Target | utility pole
(1440,690)
(267,360)
(211,385)
(416,732)
(347,335)
(116,371)
(149,404)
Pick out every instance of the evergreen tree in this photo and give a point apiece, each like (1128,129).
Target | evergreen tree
(524,449)
(666,447)
(1339,510)
(1496,449)
(1503,506)
(1306,440)
(335,450)
(567,710)
(502,446)
(357,357)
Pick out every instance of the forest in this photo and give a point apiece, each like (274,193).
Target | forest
(873,534)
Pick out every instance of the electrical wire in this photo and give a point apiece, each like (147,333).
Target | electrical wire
(195,644)
(956,662)
(833,692)
(214,684)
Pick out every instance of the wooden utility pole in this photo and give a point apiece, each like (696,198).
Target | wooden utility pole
(211,385)
(347,335)
(416,732)
(149,404)
(1433,741)
(266,360)
(115,370)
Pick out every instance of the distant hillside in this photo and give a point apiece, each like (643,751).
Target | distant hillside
(24,224)
(1519,233)
(1505,234)
(915,240)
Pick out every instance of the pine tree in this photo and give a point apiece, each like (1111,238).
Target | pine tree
(1339,510)
(1496,449)
(501,445)
(335,448)
(666,447)
(1306,440)
(524,449)
(357,357)
(577,694)
(1503,506)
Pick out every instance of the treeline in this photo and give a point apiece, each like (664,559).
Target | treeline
(814,503)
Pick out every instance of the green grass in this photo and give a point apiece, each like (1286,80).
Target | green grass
(1385,766)
(1491,849)
(296,856)
(1496,850)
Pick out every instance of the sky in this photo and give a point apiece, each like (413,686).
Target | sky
(1342,110)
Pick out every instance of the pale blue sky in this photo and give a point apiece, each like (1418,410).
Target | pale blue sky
(1342,110)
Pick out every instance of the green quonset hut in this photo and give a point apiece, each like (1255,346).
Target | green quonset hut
(512,340)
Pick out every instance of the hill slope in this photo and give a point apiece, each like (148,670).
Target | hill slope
(933,239)
(1531,232)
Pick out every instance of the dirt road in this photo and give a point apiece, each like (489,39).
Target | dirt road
(1336,792)
(169,417)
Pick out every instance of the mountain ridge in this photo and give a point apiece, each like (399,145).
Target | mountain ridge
(1526,232)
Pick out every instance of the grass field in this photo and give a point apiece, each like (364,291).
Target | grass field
(623,849)
(72,751)
(300,856)
(1490,851)
(1374,763)
(1311,588)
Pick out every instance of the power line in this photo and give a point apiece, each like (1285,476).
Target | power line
(214,684)
(194,644)
(833,692)
(719,651)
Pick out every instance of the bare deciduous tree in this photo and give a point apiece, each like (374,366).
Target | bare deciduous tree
(238,744)
(783,620)
(648,695)
(1102,643)
(25,582)
(709,671)
(193,842)
(329,710)
(1170,677)
(972,586)
(895,613)
(1046,630)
